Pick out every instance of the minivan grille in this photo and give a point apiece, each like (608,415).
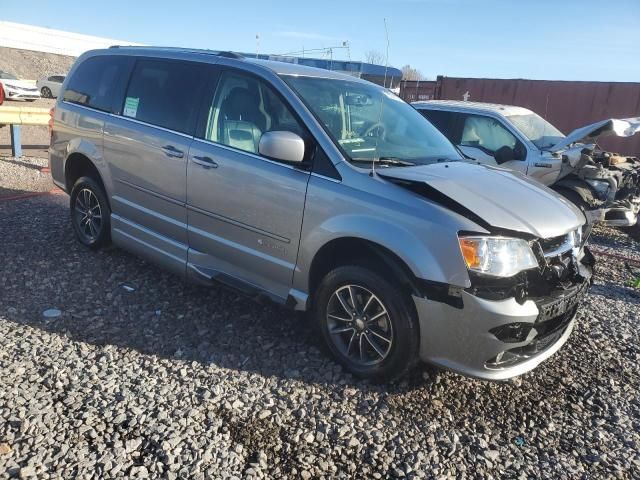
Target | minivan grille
(556,245)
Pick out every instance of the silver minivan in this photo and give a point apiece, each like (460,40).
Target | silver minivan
(323,193)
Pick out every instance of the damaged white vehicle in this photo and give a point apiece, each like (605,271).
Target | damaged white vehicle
(605,185)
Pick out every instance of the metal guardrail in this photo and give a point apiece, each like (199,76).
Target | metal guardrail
(14,117)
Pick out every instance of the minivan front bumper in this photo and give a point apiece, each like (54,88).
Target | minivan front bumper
(496,339)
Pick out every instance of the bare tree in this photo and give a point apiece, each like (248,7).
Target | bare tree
(374,56)
(410,73)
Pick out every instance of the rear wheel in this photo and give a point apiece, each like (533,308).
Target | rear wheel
(45,92)
(90,213)
(367,323)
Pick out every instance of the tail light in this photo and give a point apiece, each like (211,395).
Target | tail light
(52,112)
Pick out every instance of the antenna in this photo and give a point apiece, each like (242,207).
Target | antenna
(386,64)
(386,59)
(257,44)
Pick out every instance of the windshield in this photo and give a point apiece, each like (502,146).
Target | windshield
(369,123)
(541,133)
(7,76)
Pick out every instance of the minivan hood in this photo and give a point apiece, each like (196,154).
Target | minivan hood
(500,197)
(624,127)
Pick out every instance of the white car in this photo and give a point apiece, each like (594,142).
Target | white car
(13,89)
(605,185)
(50,86)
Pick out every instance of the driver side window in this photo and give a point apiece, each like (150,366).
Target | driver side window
(243,108)
(486,133)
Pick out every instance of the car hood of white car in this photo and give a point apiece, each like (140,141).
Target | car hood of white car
(18,83)
(624,127)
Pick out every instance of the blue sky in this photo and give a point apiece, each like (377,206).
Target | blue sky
(542,39)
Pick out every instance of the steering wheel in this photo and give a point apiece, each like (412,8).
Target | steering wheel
(381,130)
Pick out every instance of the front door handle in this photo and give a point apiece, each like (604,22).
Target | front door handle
(171,151)
(206,162)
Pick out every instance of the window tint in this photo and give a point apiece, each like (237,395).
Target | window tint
(57,79)
(443,121)
(486,133)
(242,109)
(164,93)
(98,82)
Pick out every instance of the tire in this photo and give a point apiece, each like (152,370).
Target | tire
(46,92)
(352,337)
(94,230)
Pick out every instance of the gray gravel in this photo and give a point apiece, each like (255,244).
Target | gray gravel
(144,376)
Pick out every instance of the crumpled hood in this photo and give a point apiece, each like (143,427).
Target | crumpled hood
(500,197)
(625,127)
(19,83)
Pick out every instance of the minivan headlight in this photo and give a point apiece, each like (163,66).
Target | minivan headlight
(497,256)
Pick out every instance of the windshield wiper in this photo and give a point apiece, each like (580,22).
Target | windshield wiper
(396,162)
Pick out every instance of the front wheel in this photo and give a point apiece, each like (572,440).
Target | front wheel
(90,213)
(45,92)
(367,323)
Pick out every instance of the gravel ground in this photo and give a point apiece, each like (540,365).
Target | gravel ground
(144,376)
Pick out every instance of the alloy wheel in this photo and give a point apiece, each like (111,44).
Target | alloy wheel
(88,215)
(359,325)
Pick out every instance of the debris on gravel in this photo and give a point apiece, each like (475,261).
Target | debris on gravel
(166,380)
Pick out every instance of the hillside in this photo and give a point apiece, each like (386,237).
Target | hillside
(32,65)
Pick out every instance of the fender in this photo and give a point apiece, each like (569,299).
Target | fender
(581,188)
(419,254)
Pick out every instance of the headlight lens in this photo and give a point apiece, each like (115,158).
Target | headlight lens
(497,256)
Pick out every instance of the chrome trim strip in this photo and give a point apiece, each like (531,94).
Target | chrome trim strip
(324,177)
(148,211)
(237,224)
(151,125)
(565,247)
(238,246)
(151,192)
(161,238)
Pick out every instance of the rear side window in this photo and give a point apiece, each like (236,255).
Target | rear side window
(443,121)
(99,82)
(486,133)
(164,93)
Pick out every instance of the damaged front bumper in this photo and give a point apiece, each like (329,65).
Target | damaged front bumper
(623,213)
(499,338)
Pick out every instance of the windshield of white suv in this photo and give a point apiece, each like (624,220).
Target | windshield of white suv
(370,123)
(541,133)
(7,76)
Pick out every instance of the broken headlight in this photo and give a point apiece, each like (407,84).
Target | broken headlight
(497,256)
(600,186)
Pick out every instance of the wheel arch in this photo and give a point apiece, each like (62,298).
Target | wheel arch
(351,250)
(80,165)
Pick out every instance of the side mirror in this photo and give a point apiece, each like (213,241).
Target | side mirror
(504,154)
(281,145)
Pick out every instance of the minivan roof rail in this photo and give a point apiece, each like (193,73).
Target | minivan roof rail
(220,53)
